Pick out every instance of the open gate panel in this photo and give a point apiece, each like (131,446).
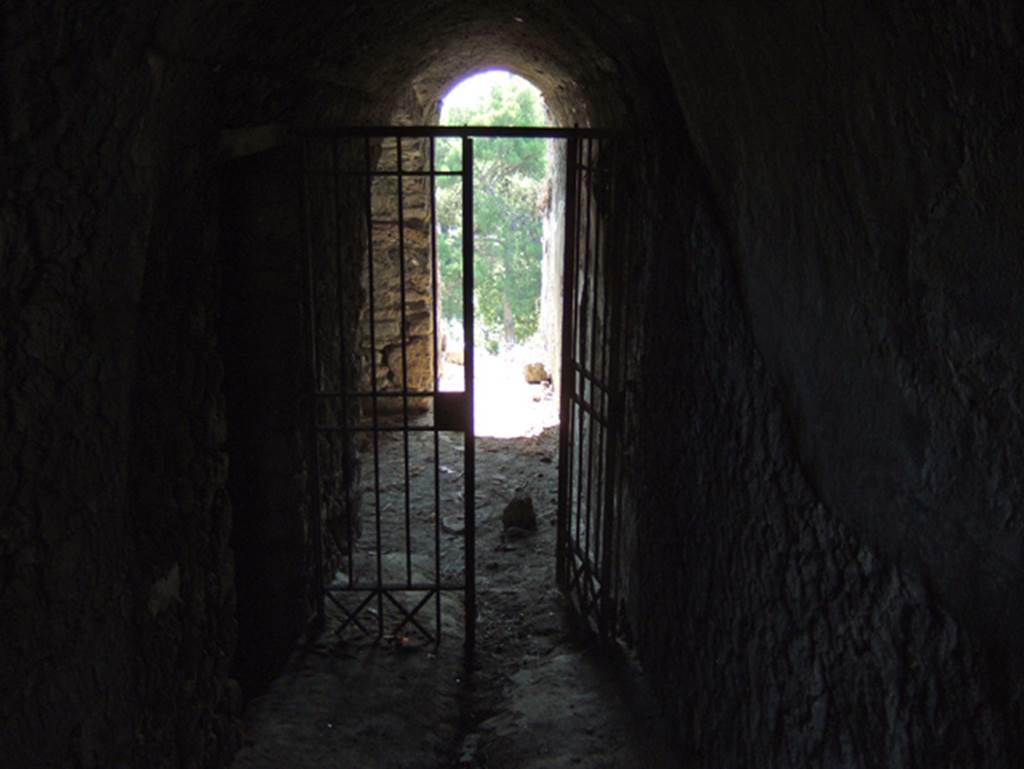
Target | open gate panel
(391,475)
(590,449)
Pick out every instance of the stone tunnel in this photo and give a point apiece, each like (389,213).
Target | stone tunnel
(824,458)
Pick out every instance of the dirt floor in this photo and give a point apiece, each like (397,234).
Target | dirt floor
(536,692)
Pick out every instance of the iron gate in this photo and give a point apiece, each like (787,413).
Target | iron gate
(390,441)
(391,449)
(590,529)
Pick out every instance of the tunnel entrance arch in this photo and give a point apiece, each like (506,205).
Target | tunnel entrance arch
(385,559)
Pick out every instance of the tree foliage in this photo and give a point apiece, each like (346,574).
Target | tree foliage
(509,177)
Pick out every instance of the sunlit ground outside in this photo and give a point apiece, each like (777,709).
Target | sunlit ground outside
(506,406)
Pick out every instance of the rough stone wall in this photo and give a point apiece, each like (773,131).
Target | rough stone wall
(790,643)
(117,589)
(832,532)
(397,231)
(116,594)
(337,235)
(180,515)
(866,163)
(262,339)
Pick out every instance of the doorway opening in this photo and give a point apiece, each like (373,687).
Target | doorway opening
(517,253)
(393,453)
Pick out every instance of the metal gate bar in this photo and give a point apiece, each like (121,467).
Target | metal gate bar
(589,542)
(468,369)
(562,541)
(405,359)
(583,576)
(330,414)
(374,403)
(436,373)
(459,132)
(312,448)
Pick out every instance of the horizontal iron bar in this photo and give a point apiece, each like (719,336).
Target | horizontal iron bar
(395,588)
(588,409)
(387,429)
(388,394)
(455,132)
(330,174)
(589,376)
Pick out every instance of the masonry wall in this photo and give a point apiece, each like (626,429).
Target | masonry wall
(117,582)
(826,465)
(116,591)
(403,305)
(262,343)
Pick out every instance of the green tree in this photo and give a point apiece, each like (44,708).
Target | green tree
(509,177)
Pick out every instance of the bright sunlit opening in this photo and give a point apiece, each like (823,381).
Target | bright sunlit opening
(511,183)
(470,95)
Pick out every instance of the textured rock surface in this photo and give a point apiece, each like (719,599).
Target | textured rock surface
(519,513)
(835,531)
(876,223)
(830,656)
(402,292)
(116,591)
(261,342)
(535,373)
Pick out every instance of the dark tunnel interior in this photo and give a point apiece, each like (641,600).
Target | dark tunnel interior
(822,437)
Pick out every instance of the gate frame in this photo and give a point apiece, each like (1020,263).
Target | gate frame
(573,137)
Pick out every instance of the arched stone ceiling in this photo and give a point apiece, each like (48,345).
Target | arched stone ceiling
(392,61)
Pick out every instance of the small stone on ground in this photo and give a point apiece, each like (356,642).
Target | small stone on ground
(519,513)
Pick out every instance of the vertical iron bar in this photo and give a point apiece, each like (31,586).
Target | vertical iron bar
(605,436)
(373,386)
(404,329)
(579,383)
(432,181)
(345,436)
(583,220)
(607,441)
(594,424)
(567,373)
(470,435)
(313,477)
(616,269)
(601,274)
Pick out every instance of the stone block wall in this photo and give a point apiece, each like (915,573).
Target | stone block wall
(393,235)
